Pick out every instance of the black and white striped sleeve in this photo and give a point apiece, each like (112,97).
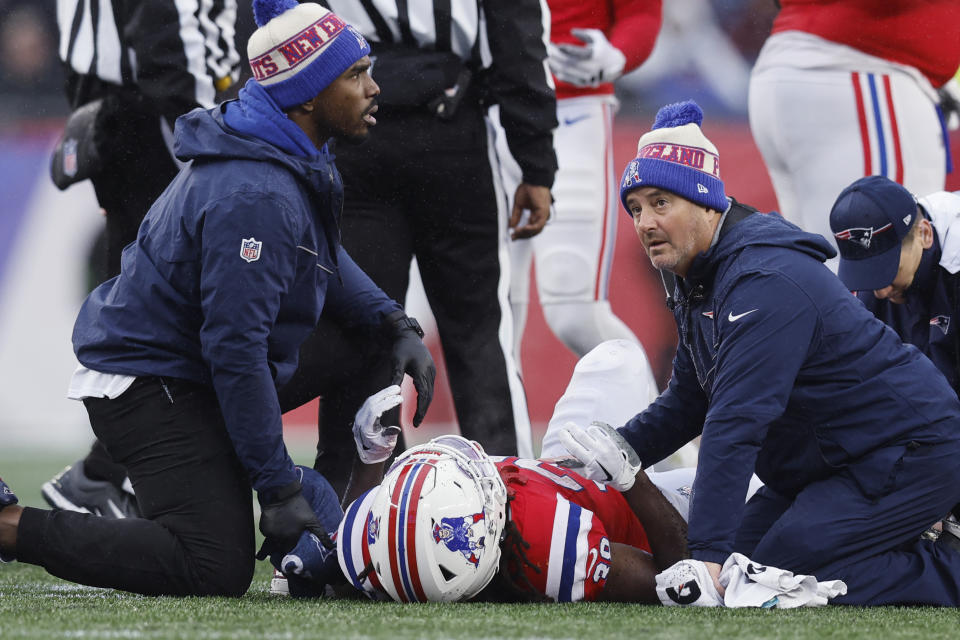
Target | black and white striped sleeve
(177,53)
(185,50)
(517,32)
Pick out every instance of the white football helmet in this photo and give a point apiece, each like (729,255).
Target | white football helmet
(353,550)
(436,522)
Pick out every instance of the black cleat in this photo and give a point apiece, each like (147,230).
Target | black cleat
(72,490)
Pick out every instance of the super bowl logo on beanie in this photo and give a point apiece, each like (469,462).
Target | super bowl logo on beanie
(300,49)
(677,157)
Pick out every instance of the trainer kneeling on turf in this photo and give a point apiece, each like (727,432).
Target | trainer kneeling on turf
(855,436)
(182,354)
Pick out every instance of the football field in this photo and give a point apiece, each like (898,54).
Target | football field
(36,605)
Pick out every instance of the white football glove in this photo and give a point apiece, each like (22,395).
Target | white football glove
(589,65)
(605,455)
(375,442)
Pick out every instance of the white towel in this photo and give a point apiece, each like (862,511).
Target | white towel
(750,584)
(746,584)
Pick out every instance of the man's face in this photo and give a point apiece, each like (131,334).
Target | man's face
(911,251)
(672,229)
(346,106)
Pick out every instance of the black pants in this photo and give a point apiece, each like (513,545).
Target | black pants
(196,536)
(343,367)
(423,187)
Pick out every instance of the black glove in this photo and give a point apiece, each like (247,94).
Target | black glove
(284,518)
(411,356)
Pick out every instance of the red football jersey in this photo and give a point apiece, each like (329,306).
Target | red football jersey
(923,35)
(569,522)
(630,25)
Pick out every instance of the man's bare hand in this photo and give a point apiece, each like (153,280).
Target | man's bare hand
(537,201)
(714,569)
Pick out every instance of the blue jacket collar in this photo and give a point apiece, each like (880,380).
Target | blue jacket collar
(254,113)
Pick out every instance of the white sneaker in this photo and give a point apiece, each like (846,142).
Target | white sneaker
(279,585)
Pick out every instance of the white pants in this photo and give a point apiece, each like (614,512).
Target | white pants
(612,384)
(824,115)
(574,253)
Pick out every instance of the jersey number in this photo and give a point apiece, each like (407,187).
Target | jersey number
(599,564)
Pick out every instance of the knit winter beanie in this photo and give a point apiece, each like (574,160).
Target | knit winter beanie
(300,49)
(676,156)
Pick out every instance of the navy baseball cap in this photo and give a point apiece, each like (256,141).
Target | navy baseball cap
(869,220)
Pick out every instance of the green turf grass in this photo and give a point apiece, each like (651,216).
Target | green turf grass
(36,605)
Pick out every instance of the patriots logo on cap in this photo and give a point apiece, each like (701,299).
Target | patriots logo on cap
(356,34)
(941,322)
(632,175)
(862,235)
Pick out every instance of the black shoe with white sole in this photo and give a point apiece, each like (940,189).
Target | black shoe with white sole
(73,490)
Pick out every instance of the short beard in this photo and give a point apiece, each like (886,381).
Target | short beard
(351,139)
(674,260)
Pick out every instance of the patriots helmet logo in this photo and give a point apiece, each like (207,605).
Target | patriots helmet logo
(373,528)
(941,322)
(862,235)
(458,534)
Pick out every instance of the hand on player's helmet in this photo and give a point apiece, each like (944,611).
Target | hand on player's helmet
(605,455)
(284,518)
(590,65)
(376,442)
(411,356)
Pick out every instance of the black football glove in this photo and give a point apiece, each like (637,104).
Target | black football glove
(411,356)
(284,518)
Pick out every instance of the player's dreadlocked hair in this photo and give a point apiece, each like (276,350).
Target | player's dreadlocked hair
(511,580)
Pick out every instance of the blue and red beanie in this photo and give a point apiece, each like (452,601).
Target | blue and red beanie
(300,49)
(676,156)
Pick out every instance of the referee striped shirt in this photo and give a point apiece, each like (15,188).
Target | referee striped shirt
(508,38)
(178,52)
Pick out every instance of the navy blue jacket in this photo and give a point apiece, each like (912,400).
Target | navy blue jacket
(928,318)
(783,372)
(230,271)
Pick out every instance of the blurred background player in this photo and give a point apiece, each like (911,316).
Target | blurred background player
(427,185)
(901,257)
(848,88)
(592,44)
(134,68)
